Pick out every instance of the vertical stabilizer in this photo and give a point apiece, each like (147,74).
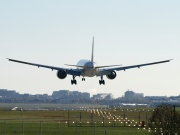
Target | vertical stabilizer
(92,55)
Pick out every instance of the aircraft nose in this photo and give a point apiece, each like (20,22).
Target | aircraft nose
(90,65)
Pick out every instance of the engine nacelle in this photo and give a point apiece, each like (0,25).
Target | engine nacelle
(61,74)
(112,75)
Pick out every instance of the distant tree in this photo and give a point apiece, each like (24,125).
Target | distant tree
(164,120)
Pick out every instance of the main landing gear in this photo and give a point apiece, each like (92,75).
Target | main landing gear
(73,81)
(101,81)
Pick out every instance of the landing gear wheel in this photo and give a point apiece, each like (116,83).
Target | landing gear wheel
(101,81)
(83,79)
(73,82)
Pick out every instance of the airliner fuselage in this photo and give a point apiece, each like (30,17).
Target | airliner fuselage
(88,68)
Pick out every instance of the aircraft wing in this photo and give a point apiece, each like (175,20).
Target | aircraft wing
(69,71)
(105,71)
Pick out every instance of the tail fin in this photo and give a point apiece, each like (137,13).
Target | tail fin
(92,55)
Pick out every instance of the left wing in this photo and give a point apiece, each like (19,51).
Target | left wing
(69,71)
(105,71)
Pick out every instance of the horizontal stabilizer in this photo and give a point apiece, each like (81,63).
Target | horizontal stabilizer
(107,66)
(73,65)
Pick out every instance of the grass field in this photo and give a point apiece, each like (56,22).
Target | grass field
(122,121)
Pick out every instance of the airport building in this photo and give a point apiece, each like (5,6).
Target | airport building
(70,95)
(101,96)
(8,93)
(132,95)
(168,102)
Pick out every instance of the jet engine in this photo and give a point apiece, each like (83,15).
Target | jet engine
(112,75)
(61,74)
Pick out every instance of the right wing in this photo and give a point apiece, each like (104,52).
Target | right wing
(69,71)
(106,71)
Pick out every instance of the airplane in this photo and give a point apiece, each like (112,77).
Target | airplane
(88,68)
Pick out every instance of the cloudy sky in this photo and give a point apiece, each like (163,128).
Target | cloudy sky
(60,32)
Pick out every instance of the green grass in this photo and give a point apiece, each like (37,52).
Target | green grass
(124,121)
(49,128)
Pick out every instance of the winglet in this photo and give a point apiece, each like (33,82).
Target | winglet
(92,55)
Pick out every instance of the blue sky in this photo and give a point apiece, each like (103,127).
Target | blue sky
(60,32)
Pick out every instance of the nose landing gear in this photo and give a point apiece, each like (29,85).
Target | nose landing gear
(83,79)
